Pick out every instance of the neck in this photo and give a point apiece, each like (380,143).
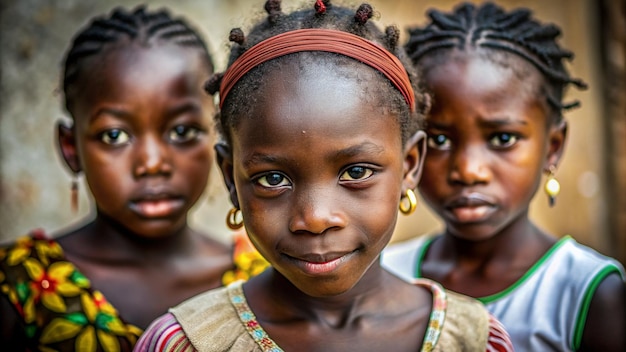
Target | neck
(507,243)
(107,240)
(342,310)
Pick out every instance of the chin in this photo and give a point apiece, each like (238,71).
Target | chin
(472,233)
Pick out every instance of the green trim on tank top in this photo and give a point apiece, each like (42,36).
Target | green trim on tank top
(516,284)
(581,319)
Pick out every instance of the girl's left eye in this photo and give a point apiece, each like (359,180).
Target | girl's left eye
(114,136)
(182,134)
(503,140)
(355,173)
(273,180)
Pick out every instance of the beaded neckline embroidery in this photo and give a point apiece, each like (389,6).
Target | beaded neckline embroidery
(249,321)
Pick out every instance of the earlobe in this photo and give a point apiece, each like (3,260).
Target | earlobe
(414,156)
(224,158)
(67,147)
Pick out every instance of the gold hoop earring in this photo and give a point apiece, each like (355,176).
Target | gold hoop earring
(74,195)
(552,187)
(410,208)
(231,219)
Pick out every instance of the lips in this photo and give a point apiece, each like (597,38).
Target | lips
(474,207)
(319,264)
(157,205)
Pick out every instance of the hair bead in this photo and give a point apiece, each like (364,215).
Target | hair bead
(212,85)
(320,7)
(392,34)
(363,14)
(236,36)
(273,9)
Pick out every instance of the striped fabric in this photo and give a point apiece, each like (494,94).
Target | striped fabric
(498,340)
(164,334)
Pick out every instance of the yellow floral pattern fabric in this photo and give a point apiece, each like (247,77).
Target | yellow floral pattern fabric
(60,310)
(248,261)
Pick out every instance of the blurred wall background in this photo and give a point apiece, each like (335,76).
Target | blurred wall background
(35,185)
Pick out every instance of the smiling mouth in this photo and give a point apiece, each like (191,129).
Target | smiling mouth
(320,264)
(157,208)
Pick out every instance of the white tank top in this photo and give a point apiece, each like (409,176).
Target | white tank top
(546,309)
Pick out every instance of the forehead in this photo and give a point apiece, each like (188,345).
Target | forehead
(128,71)
(304,107)
(473,84)
(500,76)
(149,62)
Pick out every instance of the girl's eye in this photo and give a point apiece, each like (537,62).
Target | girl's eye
(439,141)
(182,134)
(273,180)
(356,173)
(114,137)
(503,140)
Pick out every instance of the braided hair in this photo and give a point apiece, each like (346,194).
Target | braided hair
(322,15)
(140,25)
(489,26)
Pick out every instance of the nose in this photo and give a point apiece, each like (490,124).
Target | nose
(469,166)
(151,157)
(316,212)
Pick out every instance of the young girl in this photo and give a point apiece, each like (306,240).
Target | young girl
(321,126)
(141,135)
(497,80)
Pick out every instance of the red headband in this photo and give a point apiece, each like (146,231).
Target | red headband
(317,39)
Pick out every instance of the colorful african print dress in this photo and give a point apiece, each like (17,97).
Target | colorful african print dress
(59,309)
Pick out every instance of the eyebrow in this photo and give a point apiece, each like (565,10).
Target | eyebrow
(108,111)
(261,158)
(501,121)
(492,122)
(184,107)
(346,153)
(365,147)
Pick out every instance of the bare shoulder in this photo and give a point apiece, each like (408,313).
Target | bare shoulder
(606,319)
(209,243)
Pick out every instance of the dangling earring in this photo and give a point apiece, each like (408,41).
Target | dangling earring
(231,219)
(74,195)
(412,199)
(552,187)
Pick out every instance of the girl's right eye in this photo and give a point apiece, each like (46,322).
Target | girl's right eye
(439,141)
(273,180)
(114,137)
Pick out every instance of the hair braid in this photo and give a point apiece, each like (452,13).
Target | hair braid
(139,25)
(489,26)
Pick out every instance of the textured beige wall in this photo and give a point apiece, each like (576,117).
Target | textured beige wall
(34,186)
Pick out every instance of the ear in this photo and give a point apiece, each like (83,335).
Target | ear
(224,156)
(67,146)
(557,136)
(414,155)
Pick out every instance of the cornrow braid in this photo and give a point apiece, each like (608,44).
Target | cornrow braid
(325,15)
(139,25)
(489,26)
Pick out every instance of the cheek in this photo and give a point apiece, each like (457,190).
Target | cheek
(434,173)
(195,163)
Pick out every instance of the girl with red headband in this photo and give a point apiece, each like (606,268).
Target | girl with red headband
(322,143)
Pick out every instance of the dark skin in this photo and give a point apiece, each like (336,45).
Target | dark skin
(333,212)
(142,137)
(492,137)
